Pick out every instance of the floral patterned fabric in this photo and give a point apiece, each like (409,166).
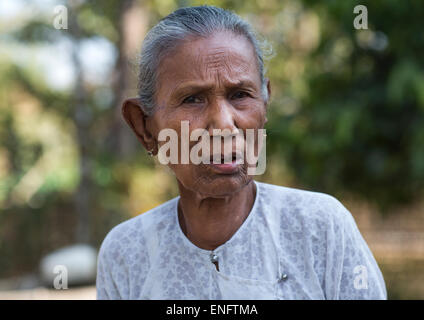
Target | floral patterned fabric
(294,244)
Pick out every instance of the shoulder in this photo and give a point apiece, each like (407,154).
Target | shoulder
(130,236)
(320,226)
(305,206)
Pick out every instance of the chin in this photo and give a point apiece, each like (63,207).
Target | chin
(200,179)
(221,185)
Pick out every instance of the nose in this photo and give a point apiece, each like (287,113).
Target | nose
(221,116)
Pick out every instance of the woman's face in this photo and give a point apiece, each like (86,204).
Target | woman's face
(213,83)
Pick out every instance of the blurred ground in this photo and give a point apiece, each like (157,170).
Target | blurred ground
(397,242)
(83,293)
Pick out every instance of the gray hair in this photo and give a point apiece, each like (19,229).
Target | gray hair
(199,21)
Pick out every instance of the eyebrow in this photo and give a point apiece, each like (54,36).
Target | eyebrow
(187,87)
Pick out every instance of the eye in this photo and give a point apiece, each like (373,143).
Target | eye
(240,95)
(193,99)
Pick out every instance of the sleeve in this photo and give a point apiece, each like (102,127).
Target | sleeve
(105,286)
(355,272)
(107,271)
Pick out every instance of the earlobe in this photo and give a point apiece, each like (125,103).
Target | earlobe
(268,87)
(136,119)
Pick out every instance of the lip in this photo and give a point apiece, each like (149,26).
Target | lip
(226,168)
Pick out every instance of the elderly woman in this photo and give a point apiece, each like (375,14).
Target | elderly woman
(226,236)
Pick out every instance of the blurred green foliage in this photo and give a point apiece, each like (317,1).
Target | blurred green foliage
(346,117)
(362,116)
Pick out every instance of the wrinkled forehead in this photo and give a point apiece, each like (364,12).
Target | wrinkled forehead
(221,55)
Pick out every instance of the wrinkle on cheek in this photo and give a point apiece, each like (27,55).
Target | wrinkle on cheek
(162,119)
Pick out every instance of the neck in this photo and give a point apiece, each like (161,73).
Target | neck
(209,222)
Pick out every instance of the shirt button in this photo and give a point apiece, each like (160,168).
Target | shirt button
(284,277)
(214,258)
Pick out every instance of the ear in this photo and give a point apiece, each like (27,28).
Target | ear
(268,87)
(136,118)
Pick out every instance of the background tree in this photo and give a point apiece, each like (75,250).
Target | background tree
(346,114)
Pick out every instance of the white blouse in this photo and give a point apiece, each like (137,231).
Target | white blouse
(294,244)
